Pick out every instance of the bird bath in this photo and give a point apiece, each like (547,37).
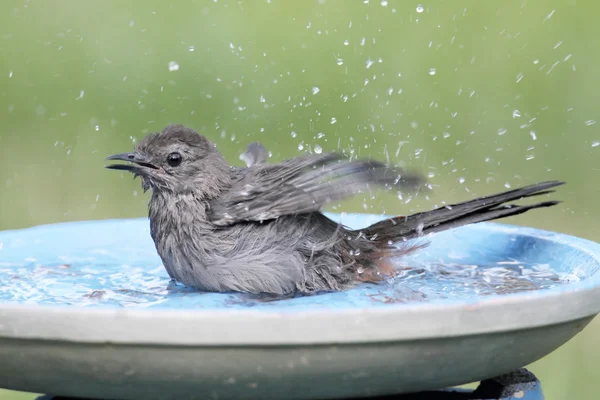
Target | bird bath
(86,310)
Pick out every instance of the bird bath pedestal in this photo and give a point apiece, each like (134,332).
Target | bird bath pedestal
(87,311)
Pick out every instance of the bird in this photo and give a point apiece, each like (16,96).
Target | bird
(260,229)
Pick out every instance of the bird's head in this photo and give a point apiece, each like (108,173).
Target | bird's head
(177,160)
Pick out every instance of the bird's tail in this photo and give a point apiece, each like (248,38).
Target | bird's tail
(389,231)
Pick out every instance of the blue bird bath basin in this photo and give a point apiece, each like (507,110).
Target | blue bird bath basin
(87,310)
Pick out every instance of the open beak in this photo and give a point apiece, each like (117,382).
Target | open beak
(140,162)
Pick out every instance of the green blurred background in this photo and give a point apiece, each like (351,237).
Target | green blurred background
(479,95)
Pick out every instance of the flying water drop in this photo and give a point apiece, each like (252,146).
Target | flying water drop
(519,77)
(173,66)
(533,135)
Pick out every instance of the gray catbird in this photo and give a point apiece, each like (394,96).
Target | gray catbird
(259,229)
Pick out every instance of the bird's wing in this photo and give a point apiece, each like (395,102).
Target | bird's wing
(300,185)
(256,153)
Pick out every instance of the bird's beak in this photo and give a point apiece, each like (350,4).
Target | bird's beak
(134,157)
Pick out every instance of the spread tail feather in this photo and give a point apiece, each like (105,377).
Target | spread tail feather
(481,209)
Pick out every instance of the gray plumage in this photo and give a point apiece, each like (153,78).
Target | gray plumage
(255,154)
(259,229)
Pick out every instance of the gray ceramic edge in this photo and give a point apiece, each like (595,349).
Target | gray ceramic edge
(250,327)
(218,328)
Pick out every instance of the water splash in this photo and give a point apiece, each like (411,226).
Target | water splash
(116,285)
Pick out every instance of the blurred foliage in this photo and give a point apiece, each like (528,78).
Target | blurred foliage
(478,95)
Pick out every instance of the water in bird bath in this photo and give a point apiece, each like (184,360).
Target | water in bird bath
(118,267)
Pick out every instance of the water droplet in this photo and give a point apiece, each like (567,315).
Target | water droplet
(384,3)
(10,74)
(533,135)
(516,114)
(536,61)
(370,63)
(293,134)
(590,122)
(420,8)
(300,147)
(519,77)
(318,149)
(596,143)
(432,71)
(446,135)
(346,43)
(320,135)
(191,48)
(549,15)
(81,94)
(507,185)
(333,120)
(360,270)
(173,66)
(97,128)
(461,180)
(340,61)
(262,99)
(501,131)
(431,174)
(315,90)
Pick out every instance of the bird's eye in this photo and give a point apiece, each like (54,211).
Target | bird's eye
(174,159)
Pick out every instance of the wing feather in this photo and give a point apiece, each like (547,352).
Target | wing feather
(301,185)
